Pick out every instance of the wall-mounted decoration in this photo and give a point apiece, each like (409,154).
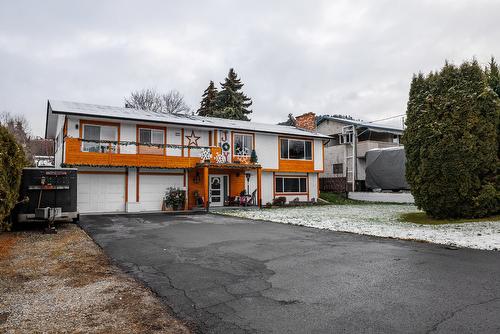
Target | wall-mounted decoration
(192,139)
(205,155)
(226,147)
(220,159)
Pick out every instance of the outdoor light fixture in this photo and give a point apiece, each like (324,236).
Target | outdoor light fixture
(196,178)
(248,182)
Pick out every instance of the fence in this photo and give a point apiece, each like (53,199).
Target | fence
(333,184)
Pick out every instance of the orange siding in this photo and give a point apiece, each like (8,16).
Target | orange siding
(74,156)
(236,182)
(303,166)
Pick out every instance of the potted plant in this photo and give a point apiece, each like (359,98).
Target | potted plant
(253,157)
(175,198)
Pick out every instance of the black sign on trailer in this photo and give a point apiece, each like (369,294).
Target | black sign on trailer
(48,187)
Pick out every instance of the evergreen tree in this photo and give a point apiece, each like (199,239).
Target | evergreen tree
(451,142)
(208,101)
(493,74)
(231,102)
(12,161)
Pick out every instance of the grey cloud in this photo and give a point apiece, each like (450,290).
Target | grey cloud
(344,57)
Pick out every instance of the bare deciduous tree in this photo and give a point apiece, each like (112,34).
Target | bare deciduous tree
(150,99)
(18,126)
(173,102)
(145,99)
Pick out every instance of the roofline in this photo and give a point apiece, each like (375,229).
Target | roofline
(321,136)
(353,122)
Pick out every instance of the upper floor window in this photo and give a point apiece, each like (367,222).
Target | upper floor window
(296,149)
(243,144)
(151,139)
(95,134)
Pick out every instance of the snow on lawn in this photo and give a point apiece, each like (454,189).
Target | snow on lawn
(380,220)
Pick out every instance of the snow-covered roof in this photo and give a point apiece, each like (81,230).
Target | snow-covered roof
(55,107)
(369,126)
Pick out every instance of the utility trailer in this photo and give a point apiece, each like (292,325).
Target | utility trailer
(47,194)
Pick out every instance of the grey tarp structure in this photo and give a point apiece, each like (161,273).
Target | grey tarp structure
(385,169)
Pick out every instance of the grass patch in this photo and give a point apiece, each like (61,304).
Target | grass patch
(338,199)
(424,219)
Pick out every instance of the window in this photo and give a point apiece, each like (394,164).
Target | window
(291,184)
(296,149)
(243,144)
(97,133)
(338,169)
(151,137)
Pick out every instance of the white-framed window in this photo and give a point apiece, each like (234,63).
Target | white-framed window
(290,184)
(243,144)
(296,149)
(95,134)
(150,137)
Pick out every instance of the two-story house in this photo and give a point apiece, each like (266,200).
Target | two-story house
(128,158)
(351,138)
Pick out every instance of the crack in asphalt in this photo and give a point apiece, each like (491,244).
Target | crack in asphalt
(158,272)
(455,312)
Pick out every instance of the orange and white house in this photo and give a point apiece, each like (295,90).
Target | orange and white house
(128,158)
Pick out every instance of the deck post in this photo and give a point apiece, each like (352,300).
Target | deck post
(259,187)
(205,186)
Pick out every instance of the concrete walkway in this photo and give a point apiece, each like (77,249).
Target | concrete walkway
(230,275)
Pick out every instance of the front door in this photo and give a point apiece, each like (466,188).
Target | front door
(216,190)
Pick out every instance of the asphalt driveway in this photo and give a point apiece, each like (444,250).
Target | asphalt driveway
(230,275)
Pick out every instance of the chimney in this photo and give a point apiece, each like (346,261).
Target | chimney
(306,122)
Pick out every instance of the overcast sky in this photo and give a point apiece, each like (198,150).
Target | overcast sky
(329,57)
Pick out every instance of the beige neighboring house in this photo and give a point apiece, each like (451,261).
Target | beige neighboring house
(353,138)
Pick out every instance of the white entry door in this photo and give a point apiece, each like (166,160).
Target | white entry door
(216,190)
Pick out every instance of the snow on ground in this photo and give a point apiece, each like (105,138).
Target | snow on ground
(380,220)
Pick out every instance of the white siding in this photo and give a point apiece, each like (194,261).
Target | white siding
(267,187)
(58,153)
(313,186)
(318,154)
(266,147)
(174,137)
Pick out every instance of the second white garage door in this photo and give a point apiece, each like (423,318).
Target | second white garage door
(152,189)
(101,193)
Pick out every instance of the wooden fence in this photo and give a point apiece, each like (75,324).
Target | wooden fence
(333,184)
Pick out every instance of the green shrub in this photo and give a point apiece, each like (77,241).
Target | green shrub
(12,161)
(451,142)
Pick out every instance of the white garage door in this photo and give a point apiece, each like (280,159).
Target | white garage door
(101,193)
(152,189)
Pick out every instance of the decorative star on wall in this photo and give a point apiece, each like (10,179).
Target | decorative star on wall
(193,139)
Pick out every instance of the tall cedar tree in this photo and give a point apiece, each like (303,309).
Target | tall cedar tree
(208,101)
(231,102)
(12,161)
(451,142)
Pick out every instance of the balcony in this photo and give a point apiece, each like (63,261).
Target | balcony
(80,152)
(366,145)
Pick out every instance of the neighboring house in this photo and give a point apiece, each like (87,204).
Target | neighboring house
(353,138)
(127,158)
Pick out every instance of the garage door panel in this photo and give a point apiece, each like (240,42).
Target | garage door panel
(101,192)
(152,189)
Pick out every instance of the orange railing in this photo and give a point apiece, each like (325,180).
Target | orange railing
(103,153)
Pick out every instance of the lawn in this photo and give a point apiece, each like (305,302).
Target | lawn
(383,220)
(423,218)
(63,283)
